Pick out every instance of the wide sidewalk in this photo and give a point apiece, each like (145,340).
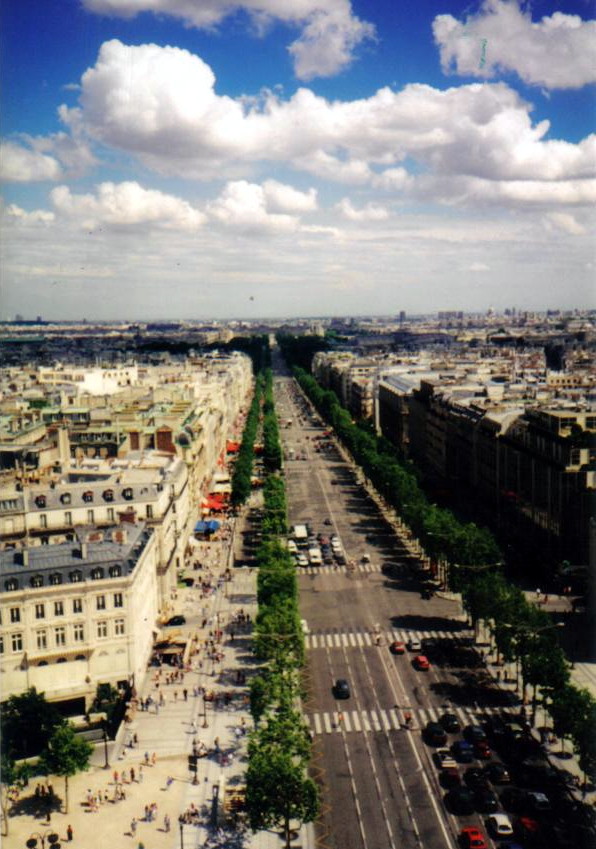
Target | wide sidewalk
(167,736)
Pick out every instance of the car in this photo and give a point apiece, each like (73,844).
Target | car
(302,560)
(292,547)
(397,647)
(513,799)
(444,759)
(339,557)
(328,560)
(460,801)
(538,803)
(463,751)
(450,722)
(485,801)
(414,644)
(421,662)
(341,689)
(472,838)
(435,734)
(474,777)
(474,734)
(499,825)
(176,620)
(482,750)
(449,778)
(497,773)
(326,521)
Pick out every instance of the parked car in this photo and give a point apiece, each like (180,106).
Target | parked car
(450,723)
(460,801)
(414,644)
(485,801)
(482,750)
(499,825)
(302,560)
(435,734)
(472,838)
(421,662)
(397,647)
(341,689)
(474,734)
(176,620)
(449,778)
(513,799)
(444,759)
(474,777)
(463,751)
(538,803)
(497,773)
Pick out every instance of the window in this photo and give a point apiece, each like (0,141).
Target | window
(127,493)
(16,641)
(110,514)
(149,511)
(108,495)
(1,644)
(15,614)
(65,498)
(11,585)
(78,631)
(55,578)
(118,627)
(40,501)
(100,602)
(90,516)
(60,635)
(36,581)
(40,611)
(58,608)
(42,640)
(97,573)
(118,600)
(43,520)
(76,576)
(102,629)
(68,518)
(77,605)
(115,571)
(88,496)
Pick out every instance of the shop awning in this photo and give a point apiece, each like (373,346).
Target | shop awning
(207,527)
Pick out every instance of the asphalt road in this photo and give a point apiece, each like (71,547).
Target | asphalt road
(379,783)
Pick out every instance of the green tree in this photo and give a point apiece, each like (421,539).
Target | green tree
(278,791)
(10,774)
(66,755)
(27,723)
(570,709)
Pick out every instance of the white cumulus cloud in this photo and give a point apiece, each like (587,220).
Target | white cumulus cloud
(370,212)
(242,206)
(330,30)
(126,205)
(19,164)
(557,52)
(283,198)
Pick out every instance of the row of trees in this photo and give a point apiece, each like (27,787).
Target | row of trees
(37,740)
(278,789)
(241,476)
(522,633)
(271,443)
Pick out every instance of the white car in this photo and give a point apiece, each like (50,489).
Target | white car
(302,560)
(414,644)
(444,759)
(292,547)
(499,825)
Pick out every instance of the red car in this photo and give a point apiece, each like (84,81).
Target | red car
(472,838)
(397,648)
(483,751)
(421,662)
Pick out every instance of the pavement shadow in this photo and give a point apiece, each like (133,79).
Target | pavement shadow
(36,806)
(416,622)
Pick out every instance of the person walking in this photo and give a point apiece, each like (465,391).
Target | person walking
(133,826)
(166,823)
(69,832)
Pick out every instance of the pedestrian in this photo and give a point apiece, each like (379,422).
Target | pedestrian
(69,832)
(175,695)
(140,774)
(185,693)
(169,781)
(115,776)
(166,823)
(133,826)
(132,774)
(153,758)
(146,757)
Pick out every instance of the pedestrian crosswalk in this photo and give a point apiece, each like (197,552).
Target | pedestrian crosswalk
(391,719)
(359,637)
(335,570)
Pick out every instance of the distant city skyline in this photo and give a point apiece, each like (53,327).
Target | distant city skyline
(266,158)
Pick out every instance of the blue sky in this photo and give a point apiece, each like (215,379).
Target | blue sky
(295,157)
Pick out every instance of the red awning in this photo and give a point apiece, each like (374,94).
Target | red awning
(232,447)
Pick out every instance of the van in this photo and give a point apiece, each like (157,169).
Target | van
(314,556)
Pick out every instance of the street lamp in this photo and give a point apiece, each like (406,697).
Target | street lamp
(181,824)
(104,725)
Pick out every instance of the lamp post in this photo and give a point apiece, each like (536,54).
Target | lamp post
(204,724)
(181,824)
(104,725)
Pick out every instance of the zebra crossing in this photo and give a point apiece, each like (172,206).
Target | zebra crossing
(391,719)
(359,637)
(334,570)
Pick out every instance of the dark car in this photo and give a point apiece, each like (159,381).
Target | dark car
(513,799)
(460,800)
(475,734)
(463,751)
(496,728)
(538,803)
(475,777)
(435,734)
(341,689)
(482,750)
(450,722)
(485,801)
(176,620)
(449,778)
(497,773)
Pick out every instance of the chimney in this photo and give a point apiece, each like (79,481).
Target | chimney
(25,556)
(84,550)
